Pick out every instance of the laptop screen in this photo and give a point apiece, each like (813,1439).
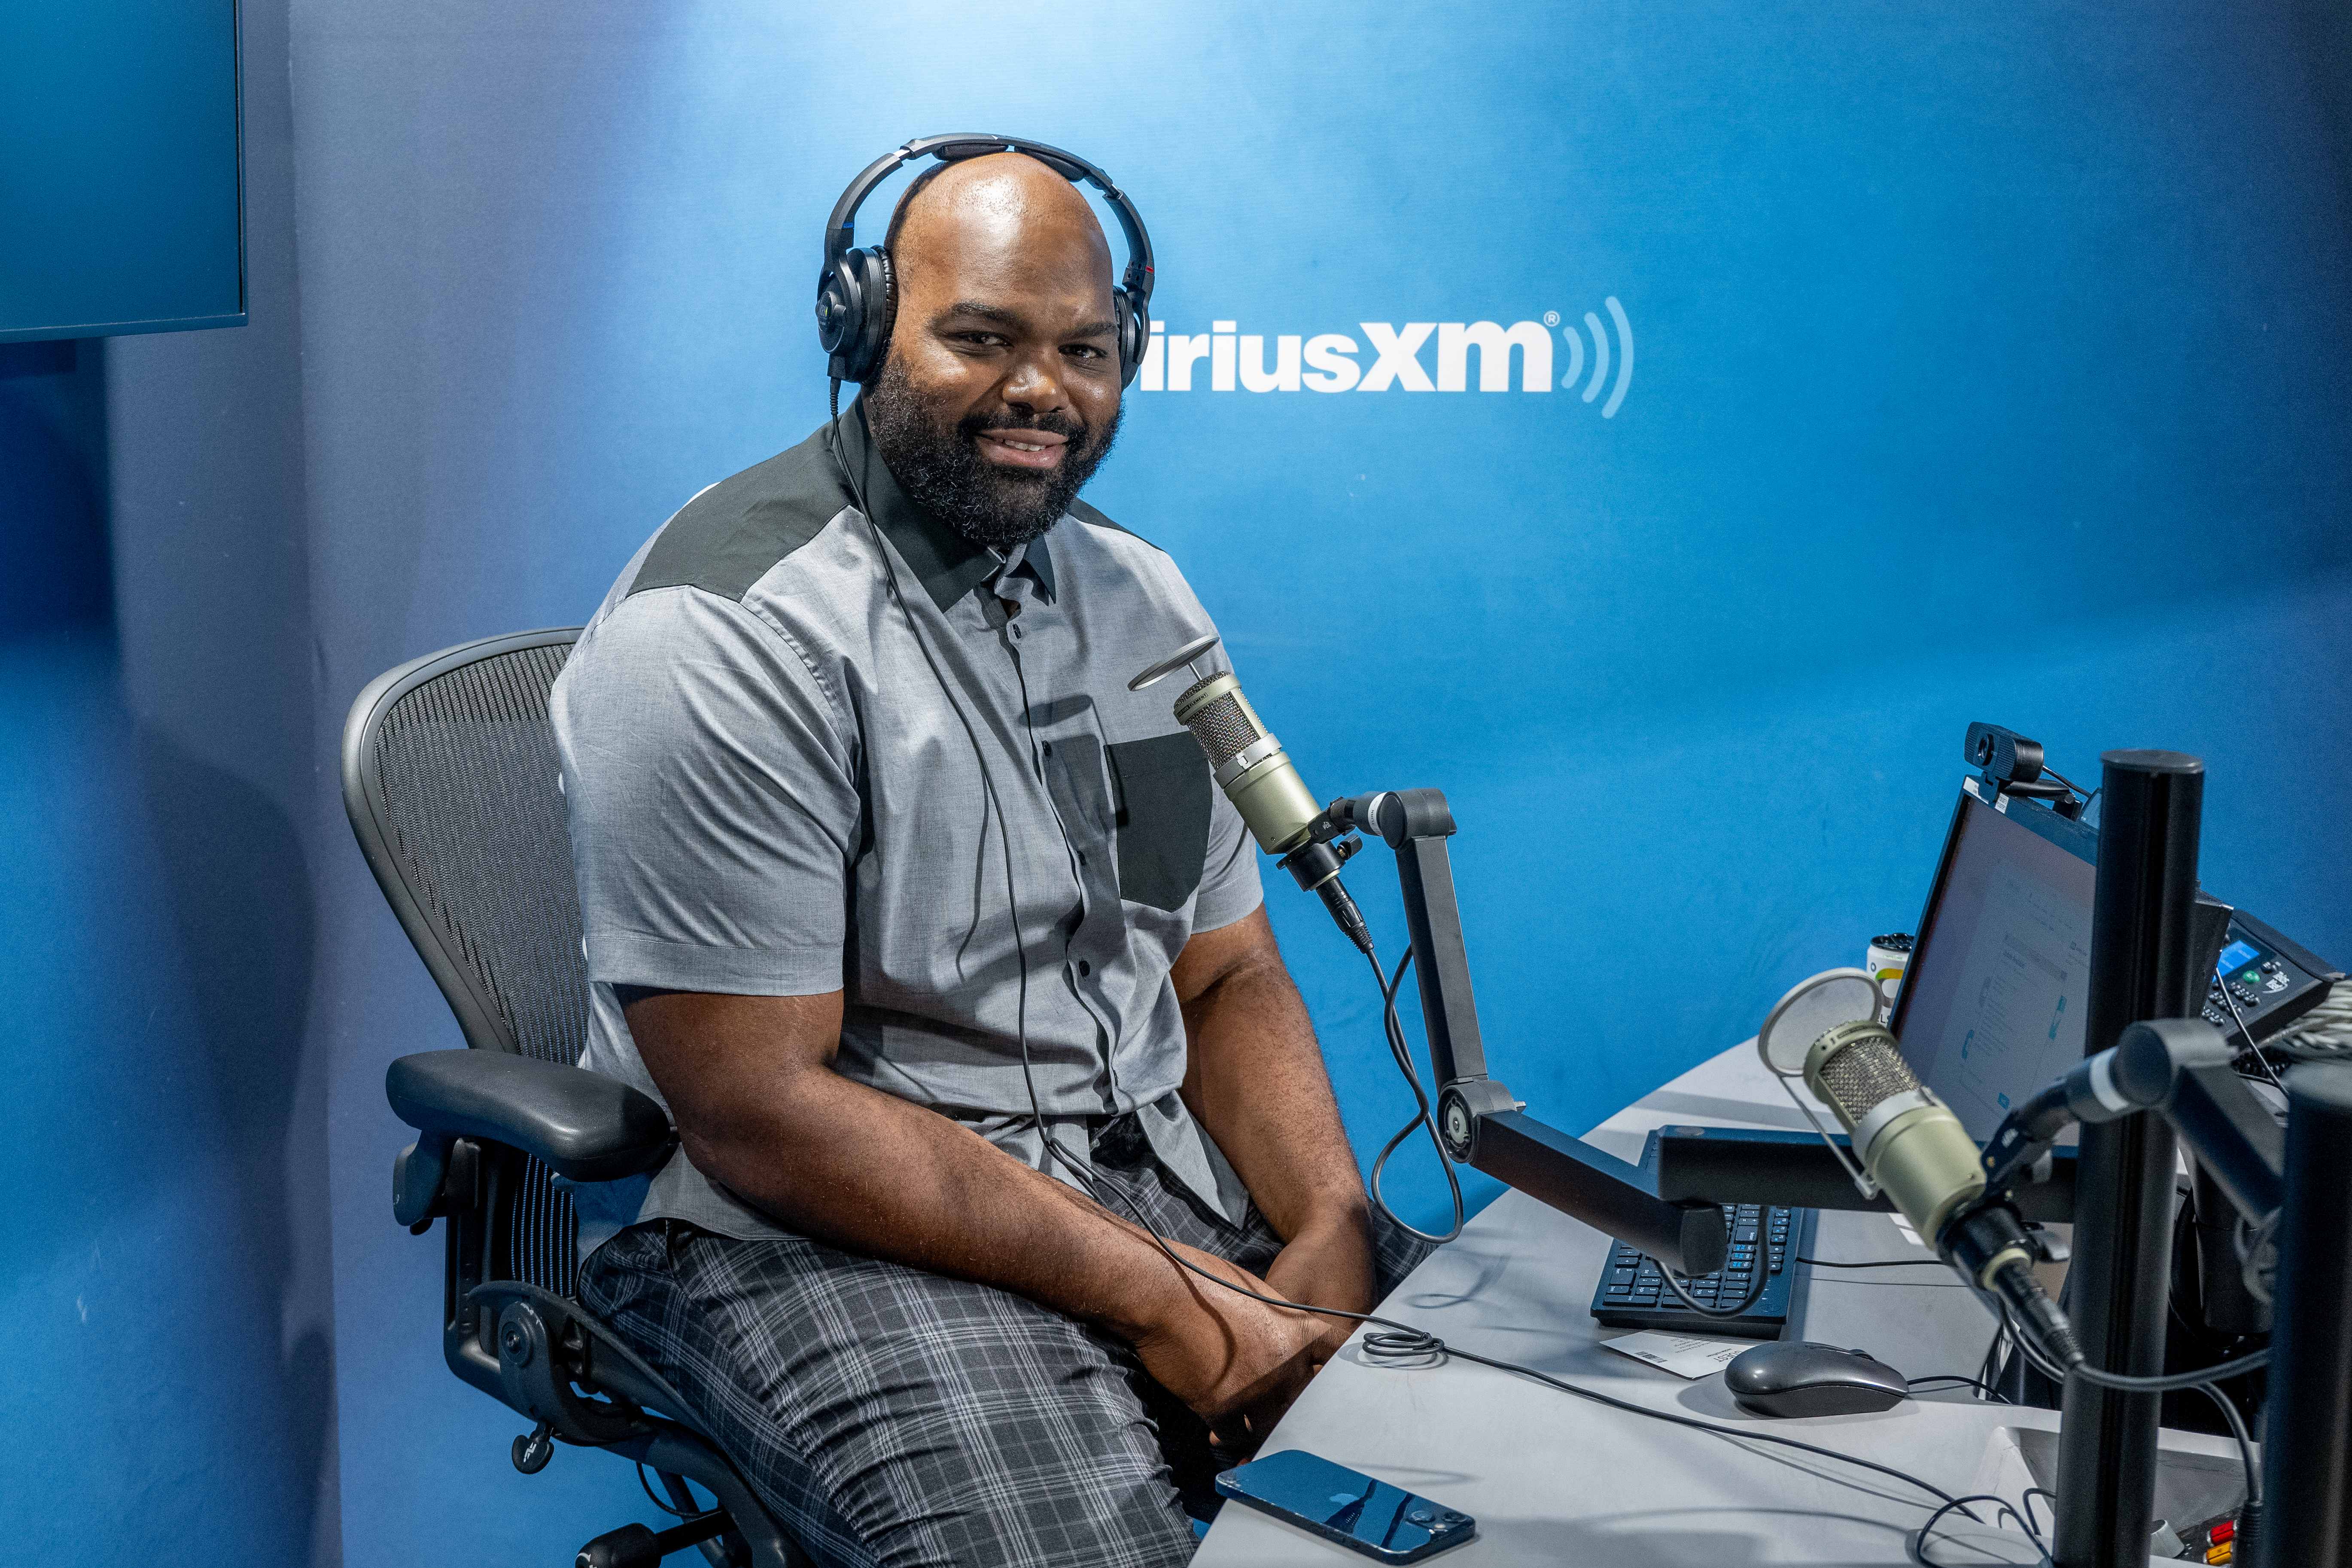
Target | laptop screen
(1991,1009)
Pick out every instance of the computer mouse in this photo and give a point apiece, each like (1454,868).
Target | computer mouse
(1790,1377)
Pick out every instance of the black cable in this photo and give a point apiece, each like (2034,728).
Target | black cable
(1083,1178)
(1989,1369)
(1919,1542)
(1435,1347)
(1986,1389)
(2027,1499)
(980,756)
(2245,1441)
(1879,1263)
(2178,1381)
(2044,1363)
(2034,1358)
(1394,1029)
(670,1509)
(2231,1000)
(1402,1341)
(2070,784)
(1755,1291)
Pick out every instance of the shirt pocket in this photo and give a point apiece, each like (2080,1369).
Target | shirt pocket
(1159,790)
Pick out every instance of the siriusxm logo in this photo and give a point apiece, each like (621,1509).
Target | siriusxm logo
(1334,361)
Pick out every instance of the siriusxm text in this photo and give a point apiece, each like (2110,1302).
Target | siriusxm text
(1417,356)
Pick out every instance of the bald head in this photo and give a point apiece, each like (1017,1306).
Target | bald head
(1000,392)
(1005,200)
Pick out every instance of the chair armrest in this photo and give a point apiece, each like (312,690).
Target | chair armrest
(587,1127)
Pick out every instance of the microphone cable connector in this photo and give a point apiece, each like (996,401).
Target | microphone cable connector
(1315,866)
(2050,1325)
(1344,914)
(1991,1248)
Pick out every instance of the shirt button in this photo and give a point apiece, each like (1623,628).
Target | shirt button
(1085,968)
(1016,630)
(1049,748)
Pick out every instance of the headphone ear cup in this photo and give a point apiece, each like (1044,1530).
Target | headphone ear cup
(836,311)
(1134,336)
(866,351)
(854,308)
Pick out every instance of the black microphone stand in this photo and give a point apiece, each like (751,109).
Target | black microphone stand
(1480,1122)
(2144,949)
(2293,1190)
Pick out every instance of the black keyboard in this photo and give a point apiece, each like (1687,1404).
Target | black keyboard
(1632,1294)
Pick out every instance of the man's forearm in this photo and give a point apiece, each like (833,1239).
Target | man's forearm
(1256,1082)
(875,1174)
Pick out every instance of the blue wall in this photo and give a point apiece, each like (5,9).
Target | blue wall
(1986,367)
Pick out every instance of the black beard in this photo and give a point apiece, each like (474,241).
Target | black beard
(936,462)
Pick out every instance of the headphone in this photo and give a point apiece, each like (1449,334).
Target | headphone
(855,295)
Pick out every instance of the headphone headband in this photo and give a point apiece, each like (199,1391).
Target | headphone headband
(840,232)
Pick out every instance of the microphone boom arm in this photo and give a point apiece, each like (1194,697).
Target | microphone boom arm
(1673,1213)
(1479,1122)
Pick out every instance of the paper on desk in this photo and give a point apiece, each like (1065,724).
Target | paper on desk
(1679,1354)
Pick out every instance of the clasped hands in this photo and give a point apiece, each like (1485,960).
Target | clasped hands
(1238,1363)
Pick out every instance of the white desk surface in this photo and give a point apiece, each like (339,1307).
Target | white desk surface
(1552,1478)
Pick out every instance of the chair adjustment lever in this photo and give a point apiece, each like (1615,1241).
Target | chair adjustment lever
(436,1175)
(533,1449)
(635,1546)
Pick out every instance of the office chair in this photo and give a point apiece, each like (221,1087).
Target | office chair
(451,781)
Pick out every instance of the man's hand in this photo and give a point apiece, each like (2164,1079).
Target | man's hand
(1238,1363)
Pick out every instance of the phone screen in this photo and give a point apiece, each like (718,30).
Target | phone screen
(1346,1506)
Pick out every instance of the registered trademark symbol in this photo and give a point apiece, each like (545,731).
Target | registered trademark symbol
(1551,318)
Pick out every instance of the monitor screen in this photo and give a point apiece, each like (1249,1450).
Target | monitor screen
(1992,1006)
(120,182)
(2244,956)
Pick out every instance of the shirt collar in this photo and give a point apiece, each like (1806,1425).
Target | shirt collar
(1031,561)
(948,564)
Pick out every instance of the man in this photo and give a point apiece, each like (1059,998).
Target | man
(805,809)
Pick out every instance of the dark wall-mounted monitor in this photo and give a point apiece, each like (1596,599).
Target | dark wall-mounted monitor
(120,189)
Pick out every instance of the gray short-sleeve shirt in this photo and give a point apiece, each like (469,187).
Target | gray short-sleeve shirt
(772,794)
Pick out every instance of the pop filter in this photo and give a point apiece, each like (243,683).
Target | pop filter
(1173,662)
(1812,1009)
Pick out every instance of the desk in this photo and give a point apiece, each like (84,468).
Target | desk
(1552,1478)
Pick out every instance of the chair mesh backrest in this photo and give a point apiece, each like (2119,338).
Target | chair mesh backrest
(468,769)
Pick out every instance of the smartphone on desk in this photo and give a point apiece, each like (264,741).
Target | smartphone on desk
(1384,1523)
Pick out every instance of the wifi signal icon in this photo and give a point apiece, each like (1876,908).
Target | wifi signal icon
(1602,356)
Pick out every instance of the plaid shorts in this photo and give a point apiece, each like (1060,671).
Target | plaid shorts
(890,1416)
